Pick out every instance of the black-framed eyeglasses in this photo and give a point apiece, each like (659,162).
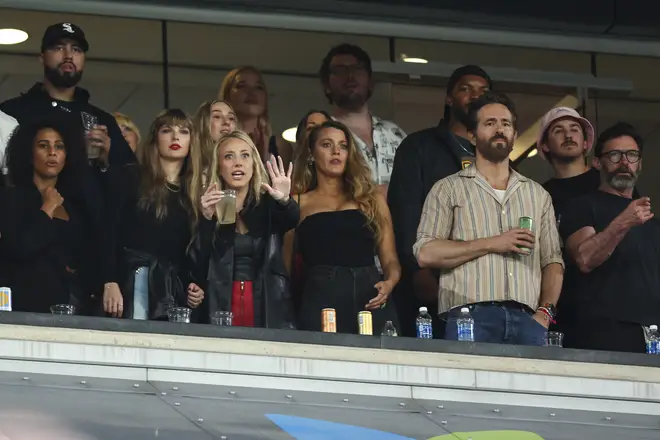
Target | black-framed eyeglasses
(615,156)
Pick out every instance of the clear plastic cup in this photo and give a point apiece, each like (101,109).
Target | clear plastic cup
(63,309)
(222,318)
(179,314)
(226,207)
(554,339)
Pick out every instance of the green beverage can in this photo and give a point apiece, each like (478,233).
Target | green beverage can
(525,223)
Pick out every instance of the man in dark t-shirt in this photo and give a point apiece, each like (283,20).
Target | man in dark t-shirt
(565,140)
(614,242)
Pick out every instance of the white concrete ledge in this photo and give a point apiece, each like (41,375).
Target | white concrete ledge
(329,369)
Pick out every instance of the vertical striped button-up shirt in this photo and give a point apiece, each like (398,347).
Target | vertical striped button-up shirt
(464,207)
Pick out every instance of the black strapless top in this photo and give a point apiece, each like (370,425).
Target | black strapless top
(336,238)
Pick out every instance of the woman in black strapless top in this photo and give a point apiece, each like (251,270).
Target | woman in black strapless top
(344,218)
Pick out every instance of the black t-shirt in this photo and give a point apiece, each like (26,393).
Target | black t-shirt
(626,287)
(564,190)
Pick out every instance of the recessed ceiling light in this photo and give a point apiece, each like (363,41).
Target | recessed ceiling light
(533,153)
(289,134)
(12,36)
(416,60)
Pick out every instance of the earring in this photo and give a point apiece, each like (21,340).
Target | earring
(310,161)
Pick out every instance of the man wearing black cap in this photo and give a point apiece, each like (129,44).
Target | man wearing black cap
(421,160)
(63,50)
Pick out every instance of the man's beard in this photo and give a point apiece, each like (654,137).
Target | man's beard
(497,149)
(62,80)
(352,100)
(460,114)
(621,181)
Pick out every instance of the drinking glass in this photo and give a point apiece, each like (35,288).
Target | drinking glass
(63,309)
(554,339)
(226,207)
(90,121)
(179,314)
(221,318)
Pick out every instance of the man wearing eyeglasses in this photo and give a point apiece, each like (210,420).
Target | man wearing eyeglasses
(614,241)
(346,77)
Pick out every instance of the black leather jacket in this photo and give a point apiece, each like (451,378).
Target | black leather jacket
(212,255)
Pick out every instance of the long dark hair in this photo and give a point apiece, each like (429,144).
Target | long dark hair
(153,184)
(20,150)
(301,131)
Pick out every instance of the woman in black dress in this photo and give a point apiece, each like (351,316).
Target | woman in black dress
(343,220)
(241,261)
(48,229)
(152,211)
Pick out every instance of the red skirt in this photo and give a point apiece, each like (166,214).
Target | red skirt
(242,304)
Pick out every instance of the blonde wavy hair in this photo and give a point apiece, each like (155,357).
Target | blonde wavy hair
(358,183)
(229,82)
(259,173)
(122,119)
(202,124)
(153,182)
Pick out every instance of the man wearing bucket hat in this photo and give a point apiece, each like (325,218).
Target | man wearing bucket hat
(565,140)
(422,159)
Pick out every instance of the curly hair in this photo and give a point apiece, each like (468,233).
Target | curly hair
(20,149)
(358,183)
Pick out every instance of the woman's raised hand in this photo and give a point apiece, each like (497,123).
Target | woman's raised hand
(280,187)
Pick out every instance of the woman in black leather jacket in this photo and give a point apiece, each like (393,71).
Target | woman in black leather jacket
(151,213)
(240,264)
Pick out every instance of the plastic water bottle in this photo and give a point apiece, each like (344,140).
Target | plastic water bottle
(424,324)
(389,329)
(653,340)
(465,324)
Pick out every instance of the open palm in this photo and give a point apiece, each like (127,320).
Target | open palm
(280,181)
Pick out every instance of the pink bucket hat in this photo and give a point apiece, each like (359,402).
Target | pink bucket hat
(564,112)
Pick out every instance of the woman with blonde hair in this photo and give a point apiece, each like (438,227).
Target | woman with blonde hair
(212,121)
(244,88)
(240,259)
(152,210)
(343,219)
(129,130)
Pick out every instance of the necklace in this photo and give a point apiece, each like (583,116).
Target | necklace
(453,136)
(172,187)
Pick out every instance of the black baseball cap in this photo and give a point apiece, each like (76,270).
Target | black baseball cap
(468,70)
(58,32)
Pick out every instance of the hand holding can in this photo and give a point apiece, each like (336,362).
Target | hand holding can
(526,223)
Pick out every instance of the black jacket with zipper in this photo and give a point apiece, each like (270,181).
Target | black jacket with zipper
(36,104)
(423,158)
(212,255)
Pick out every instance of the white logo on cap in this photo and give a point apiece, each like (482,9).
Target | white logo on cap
(67,27)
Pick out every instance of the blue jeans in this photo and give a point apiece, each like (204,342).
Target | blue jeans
(141,294)
(499,324)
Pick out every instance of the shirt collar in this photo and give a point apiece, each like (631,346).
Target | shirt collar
(472,172)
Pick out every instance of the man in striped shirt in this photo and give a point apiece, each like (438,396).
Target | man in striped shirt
(509,277)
